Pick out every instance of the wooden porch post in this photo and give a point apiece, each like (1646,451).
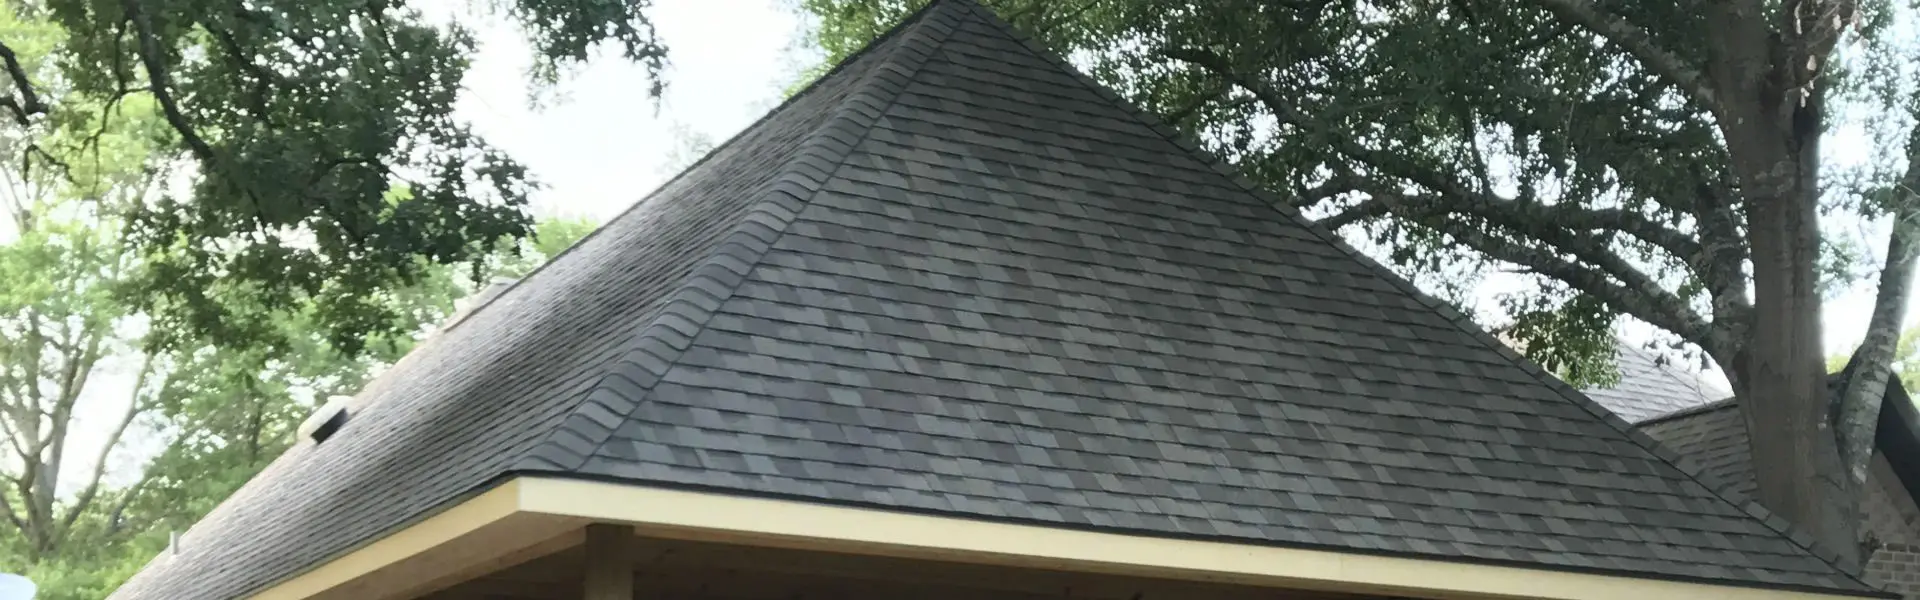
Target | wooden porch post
(609,562)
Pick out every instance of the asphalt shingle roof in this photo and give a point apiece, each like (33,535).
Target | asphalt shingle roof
(1650,387)
(957,277)
(1714,437)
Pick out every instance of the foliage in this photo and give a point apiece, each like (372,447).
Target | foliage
(1572,338)
(218,214)
(1906,361)
(222,412)
(293,120)
(219,411)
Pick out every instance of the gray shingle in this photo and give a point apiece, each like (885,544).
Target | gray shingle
(954,276)
(1651,386)
(1713,437)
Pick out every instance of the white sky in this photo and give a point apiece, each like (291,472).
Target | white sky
(601,145)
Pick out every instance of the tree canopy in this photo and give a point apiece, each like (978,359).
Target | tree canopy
(1654,161)
(187,423)
(288,123)
(120,425)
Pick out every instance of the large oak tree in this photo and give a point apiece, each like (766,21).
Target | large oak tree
(1655,160)
(293,120)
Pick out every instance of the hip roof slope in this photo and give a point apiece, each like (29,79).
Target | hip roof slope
(957,277)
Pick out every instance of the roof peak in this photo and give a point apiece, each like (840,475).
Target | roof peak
(897,56)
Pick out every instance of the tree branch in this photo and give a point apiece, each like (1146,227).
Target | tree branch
(1637,42)
(13,516)
(134,406)
(1641,297)
(1454,195)
(1815,26)
(1520,215)
(1724,252)
(116,516)
(159,81)
(28,104)
(15,437)
(1478,202)
(263,79)
(1598,273)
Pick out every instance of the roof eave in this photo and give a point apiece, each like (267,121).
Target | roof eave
(527,515)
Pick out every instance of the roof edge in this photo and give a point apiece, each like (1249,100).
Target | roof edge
(1697,409)
(1771,521)
(1664,368)
(689,307)
(533,514)
(844,526)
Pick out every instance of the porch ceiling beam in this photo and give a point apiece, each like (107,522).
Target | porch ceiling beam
(609,562)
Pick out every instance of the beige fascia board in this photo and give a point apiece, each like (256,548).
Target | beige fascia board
(528,516)
(484,532)
(721,517)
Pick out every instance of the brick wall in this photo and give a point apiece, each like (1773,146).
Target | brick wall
(1896,568)
(1893,519)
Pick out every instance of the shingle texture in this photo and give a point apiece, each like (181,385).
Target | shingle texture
(1714,437)
(1650,387)
(955,277)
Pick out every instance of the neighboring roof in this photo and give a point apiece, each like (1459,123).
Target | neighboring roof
(1651,385)
(1714,436)
(957,278)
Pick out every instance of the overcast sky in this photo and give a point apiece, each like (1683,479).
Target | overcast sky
(601,145)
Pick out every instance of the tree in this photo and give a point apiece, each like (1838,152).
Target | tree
(1658,161)
(293,119)
(220,412)
(62,317)
(78,353)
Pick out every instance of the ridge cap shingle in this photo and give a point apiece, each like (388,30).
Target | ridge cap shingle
(1779,525)
(687,308)
(1690,411)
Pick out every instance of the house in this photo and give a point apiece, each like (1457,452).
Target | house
(1704,426)
(957,322)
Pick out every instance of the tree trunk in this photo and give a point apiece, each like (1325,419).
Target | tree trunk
(1871,367)
(1858,408)
(1779,373)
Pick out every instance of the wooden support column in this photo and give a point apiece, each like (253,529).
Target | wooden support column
(609,562)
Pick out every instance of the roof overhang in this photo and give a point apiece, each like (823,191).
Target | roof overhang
(530,516)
